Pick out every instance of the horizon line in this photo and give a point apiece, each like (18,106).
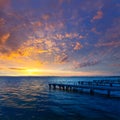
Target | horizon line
(63,76)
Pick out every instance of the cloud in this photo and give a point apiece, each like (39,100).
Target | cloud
(98,16)
(37,24)
(78,46)
(2,21)
(46,16)
(32,48)
(91,5)
(82,64)
(50,44)
(81,36)
(4,3)
(71,36)
(95,31)
(113,32)
(1,68)
(17,68)
(53,32)
(62,1)
(108,44)
(111,36)
(115,65)
(61,59)
(4,38)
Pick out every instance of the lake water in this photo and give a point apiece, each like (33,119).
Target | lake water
(29,98)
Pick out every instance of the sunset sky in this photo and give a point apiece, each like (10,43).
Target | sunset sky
(59,37)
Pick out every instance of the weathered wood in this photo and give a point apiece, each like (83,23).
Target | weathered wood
(100,82)
(81,85)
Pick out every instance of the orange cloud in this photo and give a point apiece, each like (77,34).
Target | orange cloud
(81,36)
(14,60)
(78,46)
(50,43)
(2,21)
(46,17)
(4,38)
(98,16)
(37,24)
(71,35)
(95,31)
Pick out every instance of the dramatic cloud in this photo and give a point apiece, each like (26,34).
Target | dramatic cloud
(48,36)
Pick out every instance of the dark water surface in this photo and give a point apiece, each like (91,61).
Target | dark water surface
(28,98)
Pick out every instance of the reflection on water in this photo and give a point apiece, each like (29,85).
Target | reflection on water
(20,93)
(28,98)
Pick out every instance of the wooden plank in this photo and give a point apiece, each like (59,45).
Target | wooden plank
(117,88)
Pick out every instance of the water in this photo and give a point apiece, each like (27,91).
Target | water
(28,98)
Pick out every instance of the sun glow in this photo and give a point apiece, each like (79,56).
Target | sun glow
(32,71)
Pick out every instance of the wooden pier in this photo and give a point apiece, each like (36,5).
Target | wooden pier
(108,86)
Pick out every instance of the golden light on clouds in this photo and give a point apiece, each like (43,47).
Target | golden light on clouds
(4,38)
(39,40)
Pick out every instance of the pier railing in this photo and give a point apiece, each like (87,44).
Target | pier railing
(107,85)
(101,82)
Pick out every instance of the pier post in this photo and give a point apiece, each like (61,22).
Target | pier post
(108,93)
(63,87)
(81,90)
(66,88)
(60,87)
(110,84)
(70,88)
(82,82)
(49,86)
(54,86)
(91,92)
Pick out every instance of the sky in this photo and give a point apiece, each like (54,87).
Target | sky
(59,37)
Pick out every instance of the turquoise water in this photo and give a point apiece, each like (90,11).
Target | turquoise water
(29,98)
